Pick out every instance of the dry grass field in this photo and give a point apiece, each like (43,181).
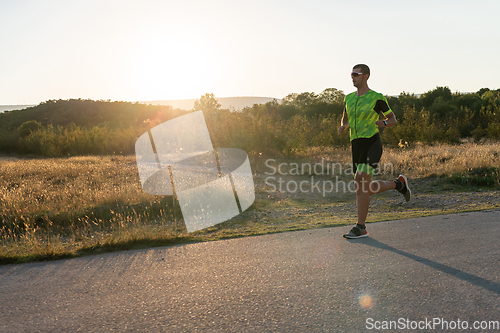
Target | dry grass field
(422,160)
(64,207)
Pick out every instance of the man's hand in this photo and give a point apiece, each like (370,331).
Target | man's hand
(341,129)
(391,121)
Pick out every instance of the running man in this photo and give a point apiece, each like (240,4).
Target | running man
(365,112)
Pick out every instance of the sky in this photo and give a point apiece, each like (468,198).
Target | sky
(158,50)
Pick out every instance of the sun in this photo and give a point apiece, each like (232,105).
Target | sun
(172,65)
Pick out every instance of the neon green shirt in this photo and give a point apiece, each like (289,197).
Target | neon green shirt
(363,111)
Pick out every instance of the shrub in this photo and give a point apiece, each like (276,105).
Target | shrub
(28,127)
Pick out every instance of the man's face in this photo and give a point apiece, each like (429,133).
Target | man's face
(358,78)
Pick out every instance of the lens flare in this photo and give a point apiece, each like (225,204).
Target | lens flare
(365,301)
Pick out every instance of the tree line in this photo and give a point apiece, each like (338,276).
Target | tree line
(85,127)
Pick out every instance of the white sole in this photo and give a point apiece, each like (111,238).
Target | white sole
(362,236)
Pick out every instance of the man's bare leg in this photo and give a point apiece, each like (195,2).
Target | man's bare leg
(379,186)
(363,181)
(366,188)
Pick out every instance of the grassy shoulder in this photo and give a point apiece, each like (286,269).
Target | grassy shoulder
(63,208)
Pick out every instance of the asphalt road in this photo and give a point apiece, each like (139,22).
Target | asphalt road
(436,269)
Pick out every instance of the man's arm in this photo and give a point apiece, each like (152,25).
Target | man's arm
(344,123)
(385,120)
(388,122)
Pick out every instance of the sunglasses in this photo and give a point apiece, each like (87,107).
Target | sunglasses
(356,74)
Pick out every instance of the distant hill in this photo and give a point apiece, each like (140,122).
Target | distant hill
(13,107)
(90,113)
(86,113)
(236,103)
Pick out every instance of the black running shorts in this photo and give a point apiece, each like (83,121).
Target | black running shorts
(366,154)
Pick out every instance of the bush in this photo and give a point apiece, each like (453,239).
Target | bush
(74,140)
(493,131)
(478,177)
(28,127)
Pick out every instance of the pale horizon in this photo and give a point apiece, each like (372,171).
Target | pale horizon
(150,50)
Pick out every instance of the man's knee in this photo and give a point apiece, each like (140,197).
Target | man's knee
(363,181)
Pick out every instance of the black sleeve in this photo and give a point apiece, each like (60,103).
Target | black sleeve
(381,106)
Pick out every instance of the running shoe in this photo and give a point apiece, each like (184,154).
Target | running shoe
(405,190)
(356,232)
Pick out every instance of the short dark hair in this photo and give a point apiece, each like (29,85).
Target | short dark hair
(364,69)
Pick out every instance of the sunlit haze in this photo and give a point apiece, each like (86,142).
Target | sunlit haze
(156,50)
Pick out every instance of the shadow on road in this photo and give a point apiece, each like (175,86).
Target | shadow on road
(478,281)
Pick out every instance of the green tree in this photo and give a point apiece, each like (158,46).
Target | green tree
(207,103)
(429,97)
(305,99)
(332,96)
(289,99)
(28,127)
(482,91)
(300,100)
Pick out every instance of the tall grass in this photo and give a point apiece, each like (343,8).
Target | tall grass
(56,207)
(87,200)
(424,160)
